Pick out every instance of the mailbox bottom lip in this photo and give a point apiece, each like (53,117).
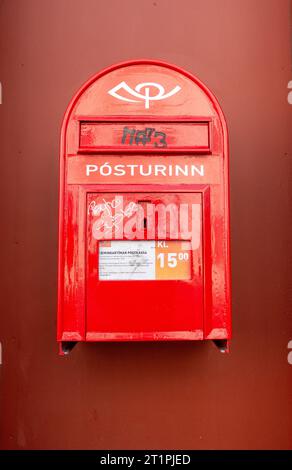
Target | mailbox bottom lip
(189,335)
(146,336)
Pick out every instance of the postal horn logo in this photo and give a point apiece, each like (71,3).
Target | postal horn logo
(143,92)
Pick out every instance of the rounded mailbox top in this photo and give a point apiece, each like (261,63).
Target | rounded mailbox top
(144,88)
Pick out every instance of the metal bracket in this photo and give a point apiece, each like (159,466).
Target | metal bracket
(65,347)
(222,345)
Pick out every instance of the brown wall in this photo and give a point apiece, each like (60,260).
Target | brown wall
(146,395)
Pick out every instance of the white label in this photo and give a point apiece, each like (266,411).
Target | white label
(127,260)
(144,260)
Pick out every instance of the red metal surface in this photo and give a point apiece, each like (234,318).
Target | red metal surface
(90,309)
(144,310)
(155,394)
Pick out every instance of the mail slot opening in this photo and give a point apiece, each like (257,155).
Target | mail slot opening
(144,136)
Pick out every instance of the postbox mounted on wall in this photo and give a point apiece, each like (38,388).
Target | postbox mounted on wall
(144,210)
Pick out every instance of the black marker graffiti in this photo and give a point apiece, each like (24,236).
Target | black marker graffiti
(148,135)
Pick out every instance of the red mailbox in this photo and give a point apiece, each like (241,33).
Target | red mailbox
(144,210)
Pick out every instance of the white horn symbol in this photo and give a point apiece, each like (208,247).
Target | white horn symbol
(146,97)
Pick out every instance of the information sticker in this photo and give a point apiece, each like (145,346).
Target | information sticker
(144,260)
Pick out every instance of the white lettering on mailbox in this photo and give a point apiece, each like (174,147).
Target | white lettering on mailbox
(145,170)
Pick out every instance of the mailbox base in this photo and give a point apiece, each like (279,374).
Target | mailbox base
(65,347)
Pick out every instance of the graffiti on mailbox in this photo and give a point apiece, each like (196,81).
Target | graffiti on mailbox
(148,135)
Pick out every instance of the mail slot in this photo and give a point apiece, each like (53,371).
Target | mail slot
(144,210)
(148,136)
